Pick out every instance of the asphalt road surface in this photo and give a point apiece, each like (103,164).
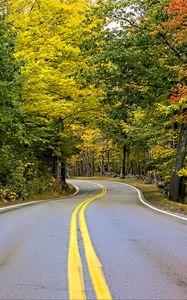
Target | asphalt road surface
(143,252)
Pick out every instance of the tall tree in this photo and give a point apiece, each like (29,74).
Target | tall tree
(11,129)
(143,60)
(54,96)
(176,26)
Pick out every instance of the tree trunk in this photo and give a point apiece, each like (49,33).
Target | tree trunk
(84,164)
(53,165)
(63,172)
(182,189)
(81,172)
(92,163)
(123,165)
(114,166)
(102,162)
(58,168)
(99,165)
(108,161)
(175,182)
(58,159)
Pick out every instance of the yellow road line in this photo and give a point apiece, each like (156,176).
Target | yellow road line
(94,265)
(75,272)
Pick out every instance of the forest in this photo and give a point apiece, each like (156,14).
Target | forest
(92,88)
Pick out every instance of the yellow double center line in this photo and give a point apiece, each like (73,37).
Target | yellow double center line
(75,272)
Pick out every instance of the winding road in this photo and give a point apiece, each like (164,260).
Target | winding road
(101,243)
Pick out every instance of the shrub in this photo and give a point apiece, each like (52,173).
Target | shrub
(7,195)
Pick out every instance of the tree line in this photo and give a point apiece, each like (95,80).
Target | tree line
(97,86)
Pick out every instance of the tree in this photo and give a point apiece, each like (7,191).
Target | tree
(176,24)
(11,129)
(55,96)
(132,65)
(142,62)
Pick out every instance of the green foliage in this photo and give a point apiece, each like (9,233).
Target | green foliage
(10,113)
(141,66)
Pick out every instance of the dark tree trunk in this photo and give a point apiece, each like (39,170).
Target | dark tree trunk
(131,168)
(63,172)
(84,164)
(182,188)
(81,173)
(53,165)
(99,165)
(175,193)
(123,165)
(102,162)
(114,166)
(58,159)
(92,163)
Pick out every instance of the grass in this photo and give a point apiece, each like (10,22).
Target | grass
(151,193)
(69,190)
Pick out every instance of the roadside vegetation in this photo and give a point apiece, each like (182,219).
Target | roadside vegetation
(92,88)
(9,198)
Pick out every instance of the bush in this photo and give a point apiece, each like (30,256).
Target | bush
(7,195)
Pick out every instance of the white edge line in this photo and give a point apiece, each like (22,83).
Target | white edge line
(20,205)
(11,207)
(150,206)
(76,192)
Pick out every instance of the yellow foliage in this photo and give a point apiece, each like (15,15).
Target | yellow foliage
(49,34)
(160,151)
(125,126)
(139,115)
(154,33)
(183,172)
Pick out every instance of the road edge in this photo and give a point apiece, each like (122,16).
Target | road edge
(144,201)
(17,206)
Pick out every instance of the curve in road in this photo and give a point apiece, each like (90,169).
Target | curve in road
(75,273)
(143,252)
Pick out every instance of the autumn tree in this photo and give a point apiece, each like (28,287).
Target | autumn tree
(176,25)
(142,63)
(55,96)
(131,68)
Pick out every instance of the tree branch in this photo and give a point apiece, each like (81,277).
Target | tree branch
(170,46)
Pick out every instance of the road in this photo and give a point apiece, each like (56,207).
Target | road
(143,252)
